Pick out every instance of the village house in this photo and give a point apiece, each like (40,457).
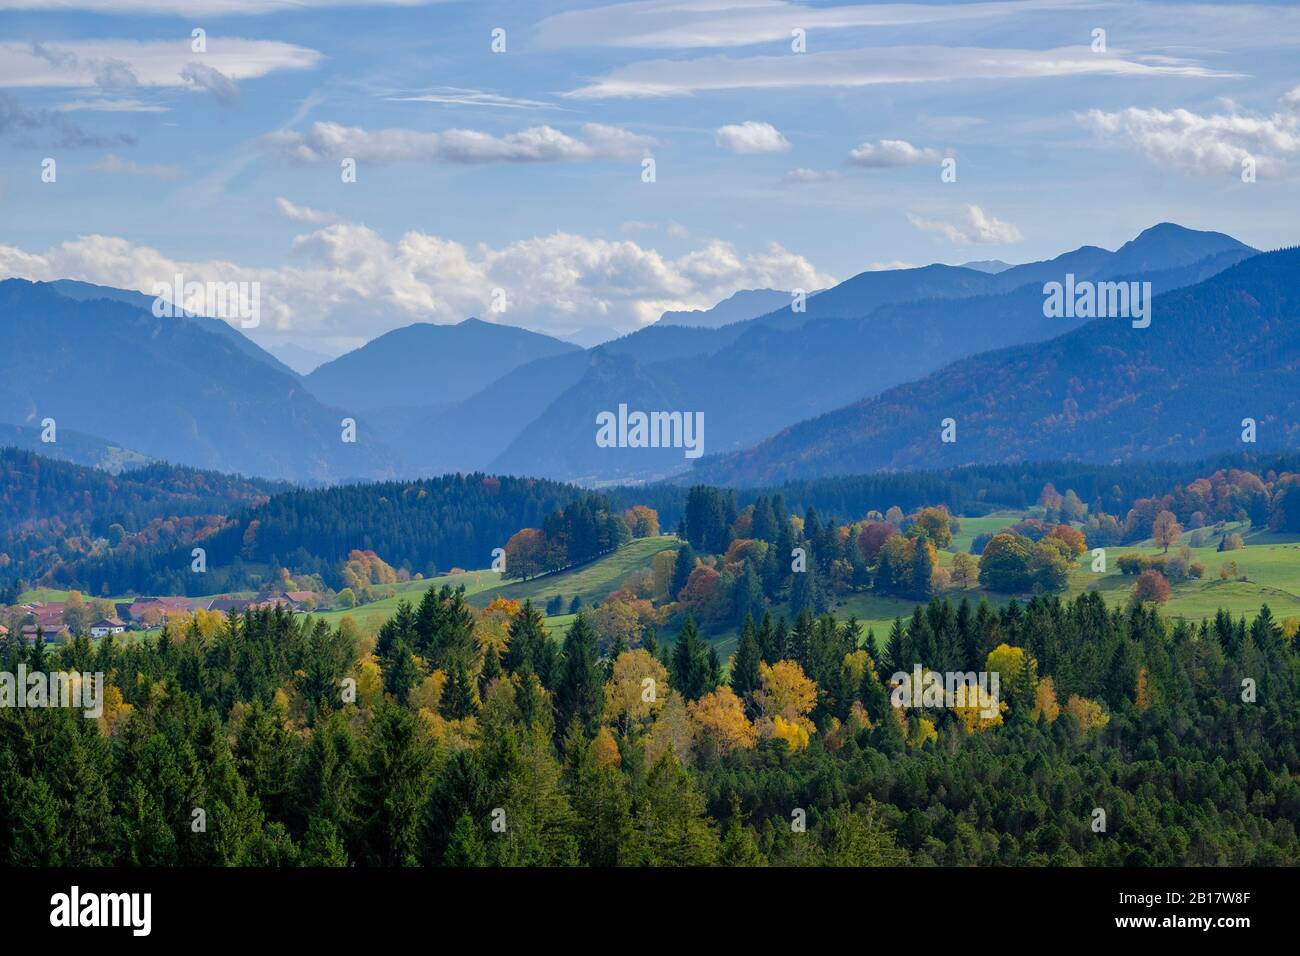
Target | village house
(106,626)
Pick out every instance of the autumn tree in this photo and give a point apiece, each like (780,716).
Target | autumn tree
(1151,586)
(1166,530)
(723,726)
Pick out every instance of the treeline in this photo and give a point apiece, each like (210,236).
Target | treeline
(973,489)
(579,532)
(466,738)
(56,515)
(423,527)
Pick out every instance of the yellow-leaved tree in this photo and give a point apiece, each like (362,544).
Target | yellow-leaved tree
(635,690)
(1089,713)
(787,693)
(723,726)
(1045,702)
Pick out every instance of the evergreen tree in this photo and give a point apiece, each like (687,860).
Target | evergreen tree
(690,670)
(579,693)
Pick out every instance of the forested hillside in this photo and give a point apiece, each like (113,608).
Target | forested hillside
(465,738)
(1215,354)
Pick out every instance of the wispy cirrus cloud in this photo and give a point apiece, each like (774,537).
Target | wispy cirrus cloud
(330,142)
(975,227)
(109,105)
(122,64)
(115,165)
(49,128)
(303,214)
(459,96)
(201,8)
(803,174)
(694,24)
(869,67)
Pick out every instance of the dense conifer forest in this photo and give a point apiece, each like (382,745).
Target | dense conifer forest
(466,738)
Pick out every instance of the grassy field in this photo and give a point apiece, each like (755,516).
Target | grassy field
(1269,564)
(592,582)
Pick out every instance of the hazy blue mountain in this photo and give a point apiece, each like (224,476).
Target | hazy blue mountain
(1217,352)
(424,364)
(738,307)
(767,378)
(991,266)
(167,389)
(301,360)
(590,336)
(72,446)
(88,291)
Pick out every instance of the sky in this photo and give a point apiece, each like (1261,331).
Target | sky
(501,148)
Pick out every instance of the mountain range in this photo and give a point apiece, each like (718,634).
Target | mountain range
(430,399)
(1217,354)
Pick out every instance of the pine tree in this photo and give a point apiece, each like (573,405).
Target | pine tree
(682,569)
(690,664)
(579,693)
(744,667)
(457,700)
(465,847)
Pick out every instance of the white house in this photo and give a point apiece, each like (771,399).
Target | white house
(106,626)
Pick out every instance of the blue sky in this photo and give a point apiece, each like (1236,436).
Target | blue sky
(522,170)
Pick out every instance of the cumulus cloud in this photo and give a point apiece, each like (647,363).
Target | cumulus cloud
(891,152)
(348,284)
(975,227)
(303,214)
(329,142)
(1204,144)
(752,137)
(869,67)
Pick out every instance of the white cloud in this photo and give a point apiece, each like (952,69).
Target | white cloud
(204,77)
(143,63)
(880,65)
(110,106)
(202,8)
(303,214)
(804,175)
(330,142)
(889,266)
(688,24)
(891,152)
(752,137)
(459,96)
(349,284)
(115,165)
(976,227)
(1201,144)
